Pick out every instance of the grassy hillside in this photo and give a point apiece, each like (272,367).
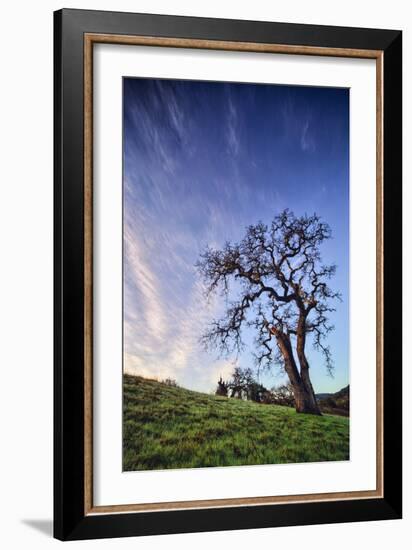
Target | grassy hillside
(335,403)
(167,427)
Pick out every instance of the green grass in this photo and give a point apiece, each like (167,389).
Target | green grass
(166,427)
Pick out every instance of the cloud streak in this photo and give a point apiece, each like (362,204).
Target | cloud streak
(307,142)
(233,137)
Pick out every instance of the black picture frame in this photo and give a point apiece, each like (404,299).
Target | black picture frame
(70,520)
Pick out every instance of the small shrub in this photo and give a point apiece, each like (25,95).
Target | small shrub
(222,388)
(170,382)
(283,395)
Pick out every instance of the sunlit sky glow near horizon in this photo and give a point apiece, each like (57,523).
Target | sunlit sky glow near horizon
(203,160)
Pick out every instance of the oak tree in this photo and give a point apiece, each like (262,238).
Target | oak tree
(275,283)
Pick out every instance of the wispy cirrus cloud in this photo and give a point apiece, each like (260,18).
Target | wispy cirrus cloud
(160,130)
(307,142)
(232,130)
(168,220)
(297,126)
(144,281)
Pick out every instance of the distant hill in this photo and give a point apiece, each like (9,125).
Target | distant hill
(335,403)
(170,427)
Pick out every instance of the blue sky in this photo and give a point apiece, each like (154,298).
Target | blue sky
(203,160)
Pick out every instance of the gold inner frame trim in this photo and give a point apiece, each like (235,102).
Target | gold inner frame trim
(89,40)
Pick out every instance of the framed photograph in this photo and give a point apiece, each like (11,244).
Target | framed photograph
(227,274)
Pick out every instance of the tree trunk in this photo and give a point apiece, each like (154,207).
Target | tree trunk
(305,400)
(304,367)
